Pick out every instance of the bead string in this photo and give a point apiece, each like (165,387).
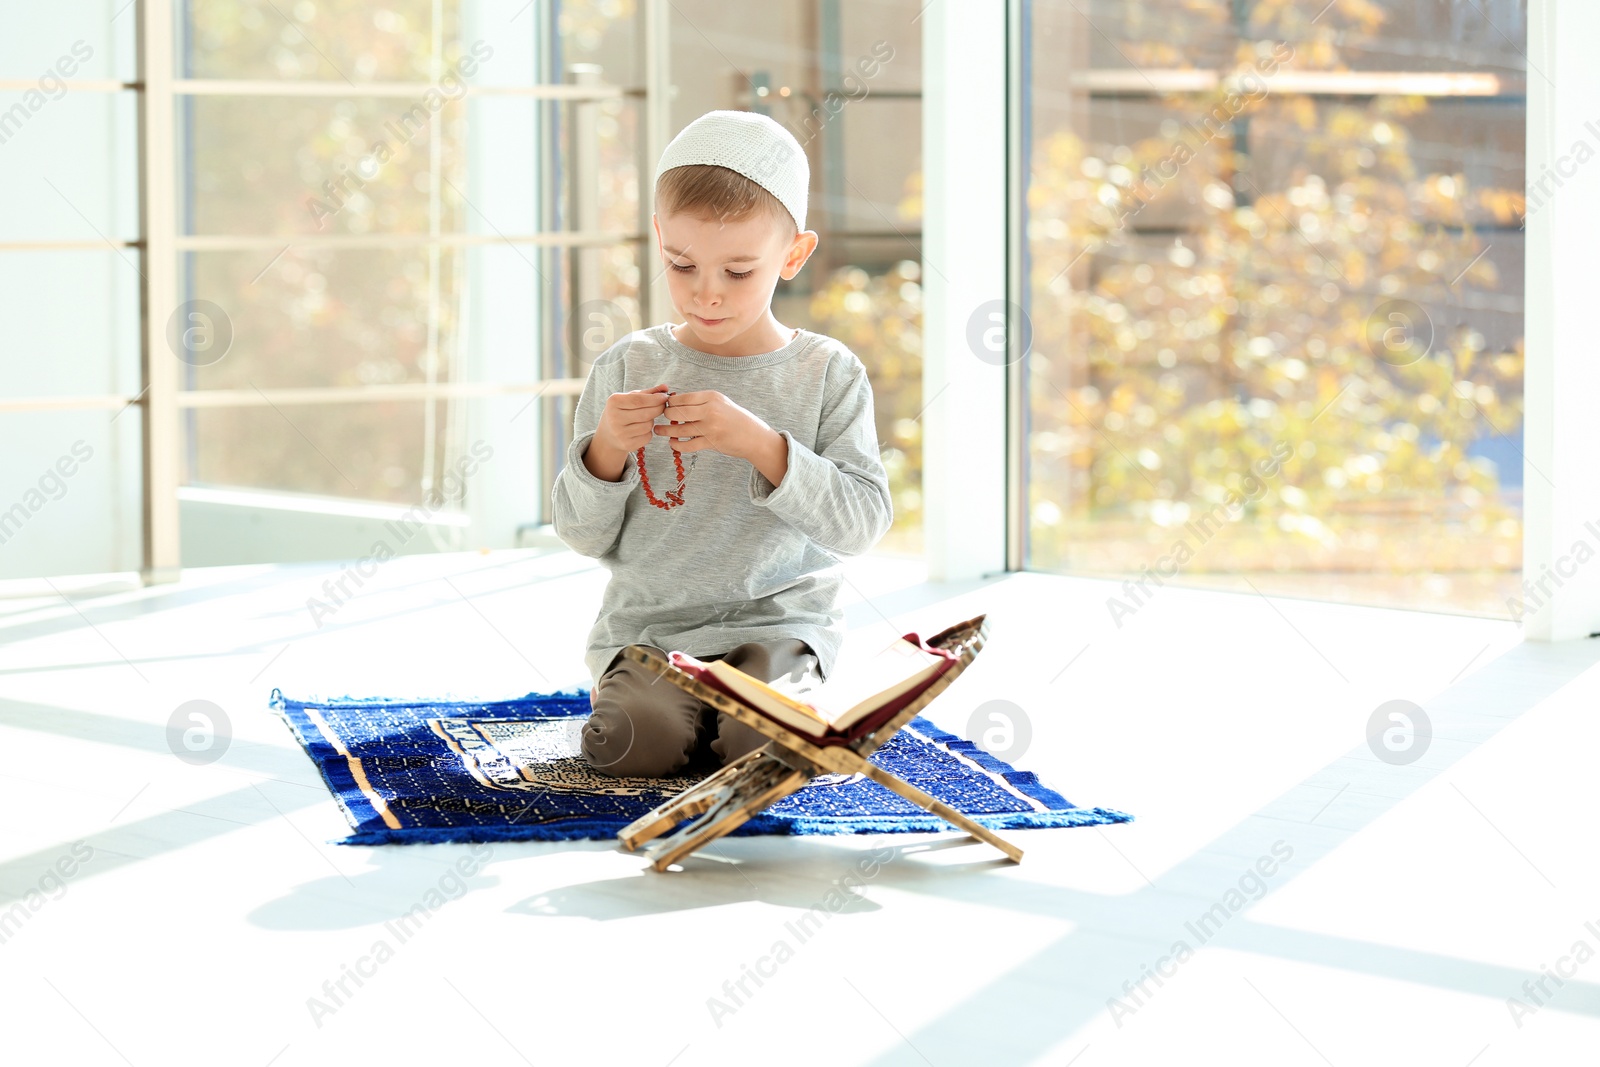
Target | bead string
(674,496)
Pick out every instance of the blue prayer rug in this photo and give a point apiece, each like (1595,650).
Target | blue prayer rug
(407,772)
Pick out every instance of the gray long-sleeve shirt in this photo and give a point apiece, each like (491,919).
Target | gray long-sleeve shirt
(739,560)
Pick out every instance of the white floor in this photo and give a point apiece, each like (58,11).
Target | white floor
(204,909)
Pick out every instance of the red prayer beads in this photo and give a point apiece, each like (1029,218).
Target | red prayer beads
(674,496)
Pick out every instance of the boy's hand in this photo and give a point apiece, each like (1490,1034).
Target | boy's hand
(625,424)
(710,420)
(624,427)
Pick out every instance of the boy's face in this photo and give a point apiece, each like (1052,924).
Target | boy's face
(722,274)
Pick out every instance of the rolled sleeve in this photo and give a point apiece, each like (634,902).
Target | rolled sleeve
(587,511)
(585,477)
(762,491)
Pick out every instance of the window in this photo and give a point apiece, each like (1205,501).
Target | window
(1274,274)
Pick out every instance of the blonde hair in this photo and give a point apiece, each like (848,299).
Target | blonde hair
(708,191)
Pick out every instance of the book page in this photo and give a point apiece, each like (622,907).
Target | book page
(863,671)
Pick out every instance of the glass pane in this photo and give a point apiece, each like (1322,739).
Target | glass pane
(72,486)
(1274,279)
(617,134)
(337,166)
(55,345)
(74,162)
(318,317)
(67,41)
(603,32)
(316,40)
(297,315)
(371,451)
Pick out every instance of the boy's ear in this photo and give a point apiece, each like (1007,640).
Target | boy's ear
(800,250)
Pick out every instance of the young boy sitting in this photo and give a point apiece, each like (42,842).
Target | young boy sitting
(720,526)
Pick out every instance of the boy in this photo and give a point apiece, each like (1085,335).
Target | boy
(723,544)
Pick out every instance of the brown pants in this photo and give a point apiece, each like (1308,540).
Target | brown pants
(644,726)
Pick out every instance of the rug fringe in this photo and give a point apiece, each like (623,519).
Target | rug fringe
(277,699)
(759,826)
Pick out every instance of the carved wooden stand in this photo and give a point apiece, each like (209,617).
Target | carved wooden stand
(787,762)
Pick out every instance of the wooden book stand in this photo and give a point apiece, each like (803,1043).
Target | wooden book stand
(788,761)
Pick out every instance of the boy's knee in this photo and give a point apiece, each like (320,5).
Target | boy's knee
(734,739)
(625,745)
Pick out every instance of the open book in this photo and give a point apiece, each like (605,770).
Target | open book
(867,687)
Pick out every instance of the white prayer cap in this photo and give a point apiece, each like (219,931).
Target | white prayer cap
(750,144)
